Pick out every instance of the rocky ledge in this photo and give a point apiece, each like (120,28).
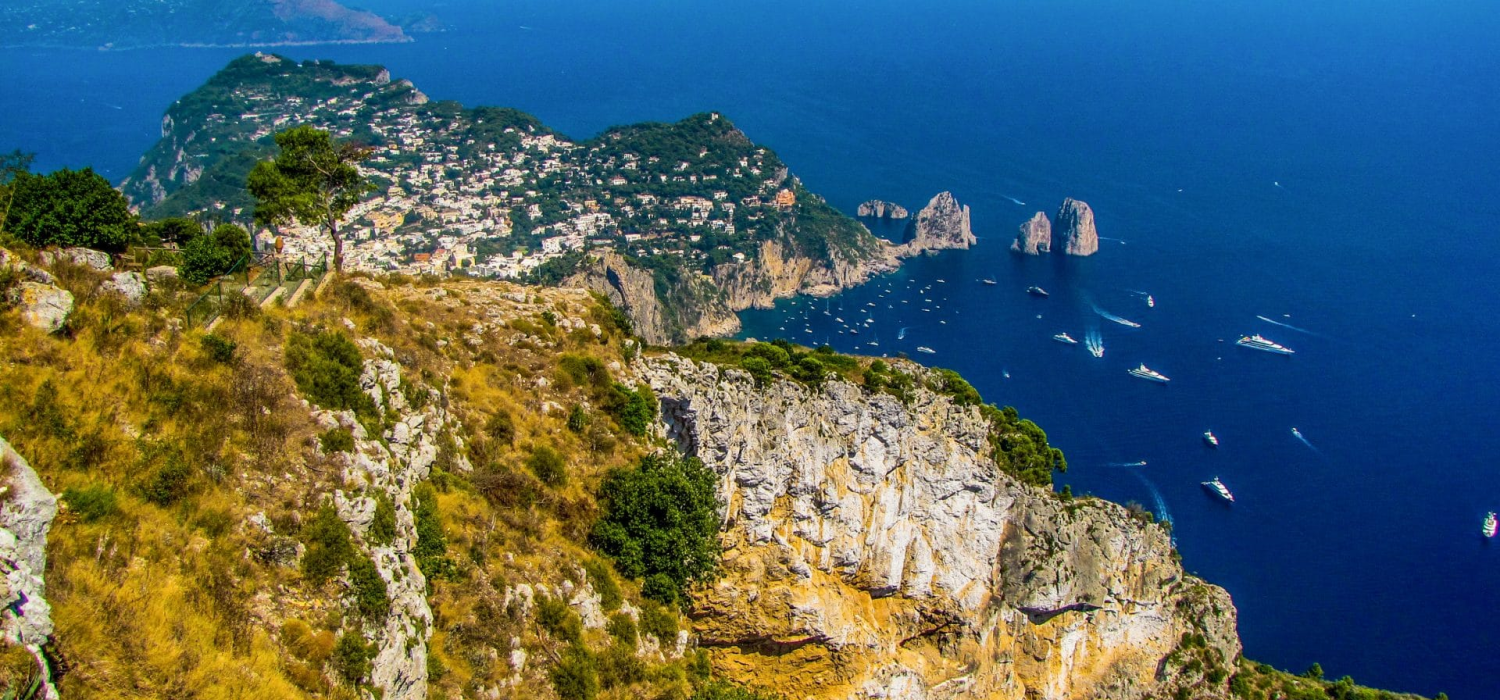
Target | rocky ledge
(874,550)
(881,209)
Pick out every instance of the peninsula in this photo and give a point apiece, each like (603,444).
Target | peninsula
(126,24)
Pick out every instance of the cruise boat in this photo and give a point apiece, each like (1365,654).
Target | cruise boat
(925,349)
(1150,301)
(1148,374)
(1209,438)
(1037,292)
(988,281)
(1297,434)
(1259,342)
(1218,488)
(1065,339)
(1489,525)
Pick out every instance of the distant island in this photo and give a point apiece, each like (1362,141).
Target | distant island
(127,24)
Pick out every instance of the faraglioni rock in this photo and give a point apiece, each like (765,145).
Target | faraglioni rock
(1035,237)
(880,209)
(1075,228)
(942,224)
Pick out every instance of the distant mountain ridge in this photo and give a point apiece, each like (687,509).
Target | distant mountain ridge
(123,24)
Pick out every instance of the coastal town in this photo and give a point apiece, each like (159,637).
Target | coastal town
(491,192)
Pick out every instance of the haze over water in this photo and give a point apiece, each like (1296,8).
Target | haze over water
(1174,121)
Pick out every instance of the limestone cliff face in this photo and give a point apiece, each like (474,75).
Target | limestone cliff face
(1075,228)
(27,509)
(776,273)
(941,225)
(880,209)
(873,550)
(697,310)
(1035,237)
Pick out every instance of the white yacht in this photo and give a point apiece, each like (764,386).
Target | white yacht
(1489,525)
(1209,438)
(1148,374)
(1218,488)
(925,349)
(1259,342)
(1064,338)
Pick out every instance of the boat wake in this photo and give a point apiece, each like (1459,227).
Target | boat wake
(1275,322)
(1122,321)
(901,334)
(1160,502)
(1094,342)
(1013,199)
(1298,434)
(1141,463)
(1121,241)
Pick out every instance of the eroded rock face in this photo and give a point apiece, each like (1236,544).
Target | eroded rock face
(942,224)
(25,616)
(131,286)
(634,290)
(1035,237)
(93,259)
(1075,228)
(880,209)
(873,550)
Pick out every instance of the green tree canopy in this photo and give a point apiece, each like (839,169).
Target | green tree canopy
(661,521)
(176,229)
(313,180)
(69,208)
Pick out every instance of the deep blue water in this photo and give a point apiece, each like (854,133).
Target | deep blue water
(1173,120)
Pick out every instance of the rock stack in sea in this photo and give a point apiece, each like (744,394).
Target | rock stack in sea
(1075,226)
(1035,237)
(881,209)
(942,224)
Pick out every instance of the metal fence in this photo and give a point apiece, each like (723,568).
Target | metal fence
(256,278)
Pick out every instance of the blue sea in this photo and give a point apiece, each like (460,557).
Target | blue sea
(1331,167)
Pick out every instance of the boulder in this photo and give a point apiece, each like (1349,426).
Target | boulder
(43,305)
(1035,237)
(94,259)
(25,519)
(161,273)
(1075,226)
(131,286)
(35,274)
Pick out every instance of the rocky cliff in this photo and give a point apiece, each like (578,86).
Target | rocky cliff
(942,224)
(880,209)
(665,312)
(1075,228)
(1035,237)
(27,509)
(872,550)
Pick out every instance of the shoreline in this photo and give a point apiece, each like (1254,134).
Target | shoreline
(201,45)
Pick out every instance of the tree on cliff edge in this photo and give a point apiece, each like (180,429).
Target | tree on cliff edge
(313,181)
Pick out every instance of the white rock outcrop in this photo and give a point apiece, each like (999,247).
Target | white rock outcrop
(43,306)
(25,518)
(875,544)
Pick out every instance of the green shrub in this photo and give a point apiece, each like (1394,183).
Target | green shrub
(204,259)
(336,440)
(554,615)
(501,427)
(619,666)
(351,657)
(169,483)
(383,525)
(633,409)
(576,676)
(369,589)
(604,583)
(951,384)
(1020,447)
(69,208)
(759,369)
(658,621)
(774,355)
(622,627)
(810,370)
(328,545)
(547,465)
(92,502)
(432,545)
(586,371)
(662,517)
(219,348)
(723,690)
(326,367)
(578,419)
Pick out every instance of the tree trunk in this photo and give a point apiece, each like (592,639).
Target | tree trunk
(338,246)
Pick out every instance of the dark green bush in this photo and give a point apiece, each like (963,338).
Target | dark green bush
(169,483)
(759,369)
(204,258)
(328,545)
(622,627)
(92,502)
(501,427)
(604,583)
(547,465)
(578,419)
(951,384)
(336,440)
(554,615)
(383,525)
(723,690)
(326,367)
(219,348)
(351,657)
(619,666)
(576,676)
(70,208)
(432,545)
(369,589)
(633,409)
(661,518)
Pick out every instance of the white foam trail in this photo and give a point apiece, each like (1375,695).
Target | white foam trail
(1303,440)
(901,334)
(1161,503)
(1094,342)
(1121,241)
(1274,322)
(1141,463)
(1116,319)
(1013,199)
